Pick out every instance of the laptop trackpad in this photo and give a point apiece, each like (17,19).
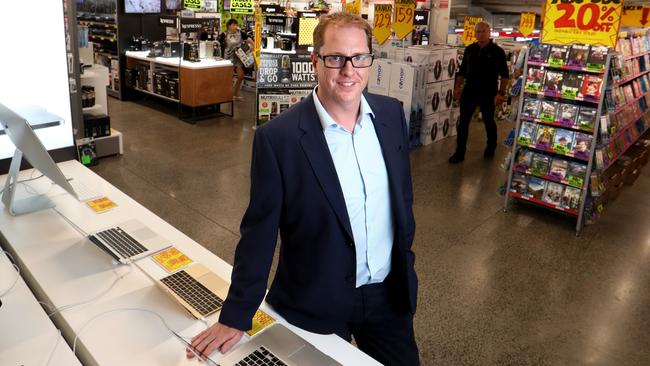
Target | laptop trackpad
(142,234)
(311,356)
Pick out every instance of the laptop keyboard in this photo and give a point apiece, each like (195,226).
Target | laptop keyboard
(193,292)
(261,357)
(122,242)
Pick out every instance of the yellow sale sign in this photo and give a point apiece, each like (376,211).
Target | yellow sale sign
(258,34)
(594,22)
(527,24)
(469,35)
(381,22)
(353,7)
(403,17)
(636,16)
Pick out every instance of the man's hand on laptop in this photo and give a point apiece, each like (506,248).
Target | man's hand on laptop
(218,336)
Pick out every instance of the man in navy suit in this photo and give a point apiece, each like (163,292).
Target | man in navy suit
(333,175)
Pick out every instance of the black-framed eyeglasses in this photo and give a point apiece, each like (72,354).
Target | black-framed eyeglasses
(359,61)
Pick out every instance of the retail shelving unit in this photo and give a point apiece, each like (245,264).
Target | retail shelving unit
(557,128)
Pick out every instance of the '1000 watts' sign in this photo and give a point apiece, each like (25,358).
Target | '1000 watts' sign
(286,72)
(582,21)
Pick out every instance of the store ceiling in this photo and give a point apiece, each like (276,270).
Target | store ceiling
(461,8)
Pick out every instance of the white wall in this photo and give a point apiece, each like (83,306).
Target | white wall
(33,66)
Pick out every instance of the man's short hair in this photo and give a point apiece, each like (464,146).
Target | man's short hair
(482,24)
(337,20)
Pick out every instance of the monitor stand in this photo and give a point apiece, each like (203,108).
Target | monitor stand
(24,205)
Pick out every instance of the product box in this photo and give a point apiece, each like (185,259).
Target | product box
(435,62)
(271,105)
(444,124)
(418,55)
(430,133)
(97,126)
(455,121)
(446,95)
(449,62)
(379,79)
(432,99)
(403,86)
(298,95)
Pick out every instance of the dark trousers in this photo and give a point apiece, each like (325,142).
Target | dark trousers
(380,329)
(469,100)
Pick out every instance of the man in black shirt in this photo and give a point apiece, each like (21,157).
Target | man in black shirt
(483,63)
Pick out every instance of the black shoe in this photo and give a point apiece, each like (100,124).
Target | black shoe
(456,158)
(489,152)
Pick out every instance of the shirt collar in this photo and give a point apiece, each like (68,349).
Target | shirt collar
(327,121)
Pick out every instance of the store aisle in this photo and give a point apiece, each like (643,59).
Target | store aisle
(515,288)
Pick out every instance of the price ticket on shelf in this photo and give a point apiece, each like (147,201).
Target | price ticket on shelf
(469,35)
(403,17)
(527,23)
(381,22)
(594,22)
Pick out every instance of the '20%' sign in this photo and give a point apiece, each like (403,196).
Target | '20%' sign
(596,15)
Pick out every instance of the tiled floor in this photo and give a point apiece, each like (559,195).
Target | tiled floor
(515,288)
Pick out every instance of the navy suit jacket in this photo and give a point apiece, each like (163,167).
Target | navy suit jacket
(295,188)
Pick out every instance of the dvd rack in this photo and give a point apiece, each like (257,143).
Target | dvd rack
(557,127)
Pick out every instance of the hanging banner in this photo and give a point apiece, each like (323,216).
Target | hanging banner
(594,22)
(469,35)
(403,17)
(258,35)
(352,7)
(381,22)
(192,4)
(635,16)
(242,7)
(527,24)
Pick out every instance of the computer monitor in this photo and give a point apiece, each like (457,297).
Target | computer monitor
(28,145)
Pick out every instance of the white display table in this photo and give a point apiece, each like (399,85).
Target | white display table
(63,267)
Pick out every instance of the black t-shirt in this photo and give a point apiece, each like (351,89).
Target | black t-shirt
(481,67)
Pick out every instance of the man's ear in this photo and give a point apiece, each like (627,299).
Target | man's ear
(314,60)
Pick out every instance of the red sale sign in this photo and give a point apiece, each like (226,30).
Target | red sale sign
(594,22)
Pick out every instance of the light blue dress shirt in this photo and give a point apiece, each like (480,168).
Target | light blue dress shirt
(362,174)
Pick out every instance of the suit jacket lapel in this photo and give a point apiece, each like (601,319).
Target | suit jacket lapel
(315,147)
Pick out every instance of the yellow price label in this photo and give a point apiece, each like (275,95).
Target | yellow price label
(403,17)
(242,6)
(594,22)
(381,22)
(635,16)
(353,7)
(469,34)
(192,4)
(527,24)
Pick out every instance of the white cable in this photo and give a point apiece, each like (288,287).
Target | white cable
(117,279)
(12,261)
(56,344)
(24,181)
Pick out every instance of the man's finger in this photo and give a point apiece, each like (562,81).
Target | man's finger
(230,343)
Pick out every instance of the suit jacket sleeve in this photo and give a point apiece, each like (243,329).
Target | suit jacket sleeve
(259,230)
(408,184)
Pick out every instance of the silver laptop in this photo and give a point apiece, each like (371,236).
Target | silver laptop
(277,346)
(129,241)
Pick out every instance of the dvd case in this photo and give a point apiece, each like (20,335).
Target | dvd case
(576,173)
(571,198)
(539,53)
(597,58)
(553,193)
(519,182)
(563,140)
(558,55)
(567,115)
(553,83)
(587,118)
(582,146)
(578,56)
(590,89)
(524,159)
(540,164)
(548,111)
(531,108)
(571,84)
(558,168)
(536,187)
(534,80)
(526,133)
(544,137)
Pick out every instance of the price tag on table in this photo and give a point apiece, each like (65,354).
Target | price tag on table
(403,17)
(381,22)
(594,22)
(469,35)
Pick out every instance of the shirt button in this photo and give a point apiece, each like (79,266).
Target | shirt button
(351,244)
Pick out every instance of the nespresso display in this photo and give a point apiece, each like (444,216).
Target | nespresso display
(171,49)
(191,52)
(140,44)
